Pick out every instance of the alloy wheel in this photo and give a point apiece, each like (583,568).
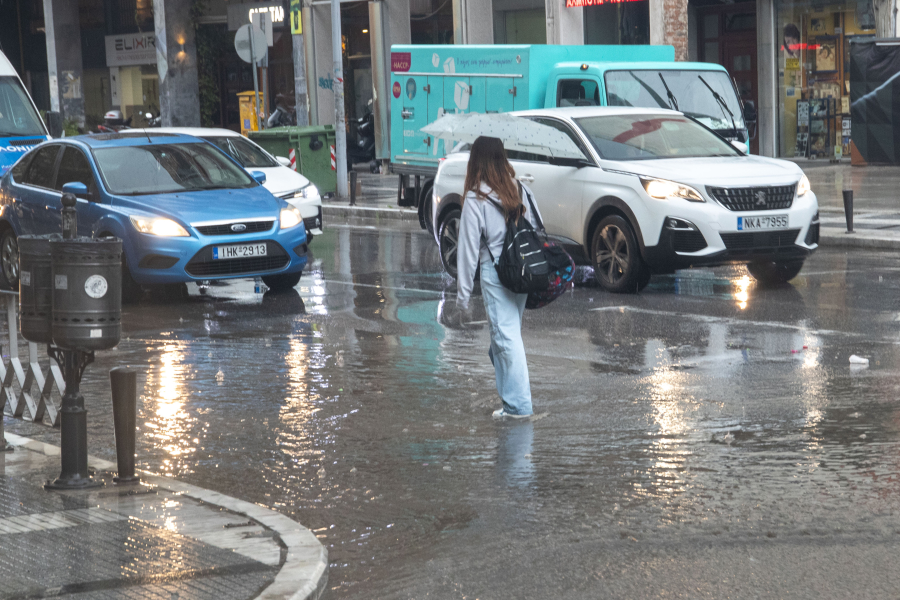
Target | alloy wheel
(612,256)
(9,258)
(450,243)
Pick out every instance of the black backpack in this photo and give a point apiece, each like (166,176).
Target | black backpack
(529,262)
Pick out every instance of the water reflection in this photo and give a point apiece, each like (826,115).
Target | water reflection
(516,442)
(167,422)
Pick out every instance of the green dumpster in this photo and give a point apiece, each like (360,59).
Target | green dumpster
(312,146)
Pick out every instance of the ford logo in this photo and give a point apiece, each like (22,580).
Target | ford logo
(238,227)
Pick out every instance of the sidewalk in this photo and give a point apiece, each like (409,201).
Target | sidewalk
(158,539)
(876,193)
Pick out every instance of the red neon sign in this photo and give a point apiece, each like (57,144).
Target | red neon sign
(581,3)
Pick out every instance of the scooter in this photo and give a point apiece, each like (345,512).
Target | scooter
(113,122)
(364,151)
(153,121)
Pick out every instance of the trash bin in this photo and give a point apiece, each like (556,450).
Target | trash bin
(275,141)
(313,146)
(247,105)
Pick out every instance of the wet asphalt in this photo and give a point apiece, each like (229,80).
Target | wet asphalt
(704,439)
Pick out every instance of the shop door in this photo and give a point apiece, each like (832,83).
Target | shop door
(739,57)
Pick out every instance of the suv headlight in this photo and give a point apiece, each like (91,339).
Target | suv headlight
(308,193)
(803,187)
(663,189)
(290,217)
(159,226)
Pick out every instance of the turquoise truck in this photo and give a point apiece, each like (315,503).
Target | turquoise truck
(430,81)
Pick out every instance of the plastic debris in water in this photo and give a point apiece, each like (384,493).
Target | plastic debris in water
(858,360)
(220,376)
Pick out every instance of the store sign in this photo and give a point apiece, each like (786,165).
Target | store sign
(581,3)
(241,14)
(130,49)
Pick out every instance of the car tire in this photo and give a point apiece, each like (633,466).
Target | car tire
(774,273)
(449,241)
(282,281)
(131,289)
(617,262)
(427,207)
(9,259)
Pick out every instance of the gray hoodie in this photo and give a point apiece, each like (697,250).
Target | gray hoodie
(481,217)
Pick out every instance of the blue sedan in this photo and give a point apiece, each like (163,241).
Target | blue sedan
(185,210)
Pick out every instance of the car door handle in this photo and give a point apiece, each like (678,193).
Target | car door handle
(526,178)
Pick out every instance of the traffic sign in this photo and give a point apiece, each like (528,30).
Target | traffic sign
(242,43)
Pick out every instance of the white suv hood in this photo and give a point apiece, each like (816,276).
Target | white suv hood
(717,171)
(281,180)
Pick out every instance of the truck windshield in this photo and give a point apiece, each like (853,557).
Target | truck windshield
(17,115)
(646,137)
(646,88)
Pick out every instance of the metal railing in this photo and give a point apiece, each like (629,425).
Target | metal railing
(26,388)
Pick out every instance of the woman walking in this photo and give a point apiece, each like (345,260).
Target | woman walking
(491,197)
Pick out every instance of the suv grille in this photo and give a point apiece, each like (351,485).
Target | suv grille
(754,198)
(203,265)
(225,228)
(758,240)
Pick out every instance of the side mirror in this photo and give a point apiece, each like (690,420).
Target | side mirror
(54,124)
(76,188)
(284,162)
(578,163)
(743,147)
(259,176)
(750,114)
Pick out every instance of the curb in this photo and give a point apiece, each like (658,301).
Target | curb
(833,237)
(304,573)
(370,212)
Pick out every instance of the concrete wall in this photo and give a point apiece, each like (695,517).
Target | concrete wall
(473,22)
(176,53)
(564,25)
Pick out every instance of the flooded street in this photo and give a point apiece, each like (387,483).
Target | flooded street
(705,438)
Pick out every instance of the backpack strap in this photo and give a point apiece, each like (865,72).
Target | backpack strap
(537,216)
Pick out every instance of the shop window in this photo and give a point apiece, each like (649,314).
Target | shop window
(577,92)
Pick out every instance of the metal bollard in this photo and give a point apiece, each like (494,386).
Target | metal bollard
(124,398)
(848,209)
(352,188)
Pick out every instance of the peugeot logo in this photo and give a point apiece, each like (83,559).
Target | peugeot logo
(238,227)
(760,198)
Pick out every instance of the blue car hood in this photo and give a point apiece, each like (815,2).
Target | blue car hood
(211,205)
(14,148)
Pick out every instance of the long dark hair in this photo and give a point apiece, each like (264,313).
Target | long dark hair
(488,164)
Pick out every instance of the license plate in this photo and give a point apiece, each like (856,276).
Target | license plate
(766,222)
(238,251)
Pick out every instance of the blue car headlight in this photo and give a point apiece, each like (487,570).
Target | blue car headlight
(159,226)
(290,217)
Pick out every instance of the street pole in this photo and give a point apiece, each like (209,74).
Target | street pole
(255,83)
(340,128)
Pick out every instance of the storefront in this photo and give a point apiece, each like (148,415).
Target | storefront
(133,77)
(617,22)
(813,73)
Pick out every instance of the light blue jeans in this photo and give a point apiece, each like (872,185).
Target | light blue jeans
(507,352)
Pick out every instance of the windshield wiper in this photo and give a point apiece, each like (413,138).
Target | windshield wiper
(669,92)
(722,105)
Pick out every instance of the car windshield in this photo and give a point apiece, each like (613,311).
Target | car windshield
(168,168)
(244,151)
(689,94)
(645,137)
(17,115)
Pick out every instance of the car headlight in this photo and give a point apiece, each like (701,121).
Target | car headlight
(290,217)
(309,192)
(803,187)
(663,189)
(159,226)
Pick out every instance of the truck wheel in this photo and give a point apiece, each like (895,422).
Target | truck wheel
(774,273)
(449,241)
(9,259)
(618,266)
(282,281)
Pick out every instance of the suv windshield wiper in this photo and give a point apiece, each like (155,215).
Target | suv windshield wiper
(722,105)
(669,92)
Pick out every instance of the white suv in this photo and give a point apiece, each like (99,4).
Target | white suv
(656,191)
